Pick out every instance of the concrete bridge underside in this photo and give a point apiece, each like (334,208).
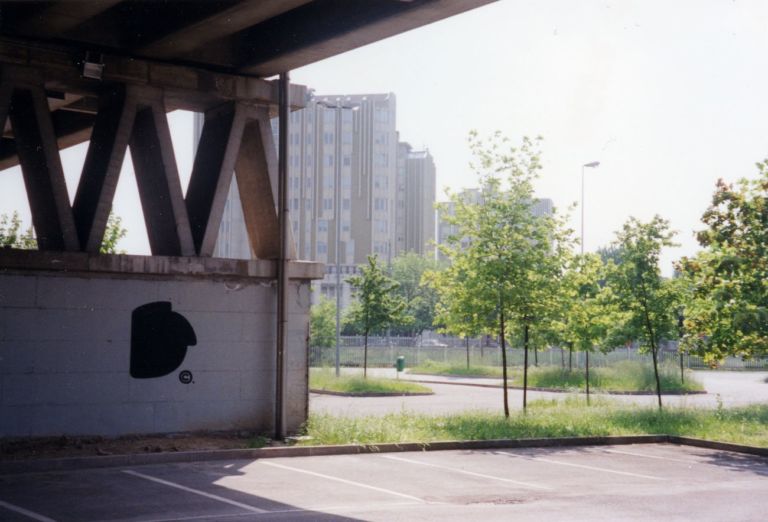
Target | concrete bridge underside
(177,341)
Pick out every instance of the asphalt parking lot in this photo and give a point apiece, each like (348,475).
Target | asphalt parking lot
(631,482)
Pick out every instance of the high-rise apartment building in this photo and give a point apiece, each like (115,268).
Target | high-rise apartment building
(415,200)
(349,178)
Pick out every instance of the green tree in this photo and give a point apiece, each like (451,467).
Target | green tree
(588,312)
(378,305)
(456,310)
(508,258)
(11,235)
(322,323)
(420,298)
(647,301)
(112,235)
(728,314)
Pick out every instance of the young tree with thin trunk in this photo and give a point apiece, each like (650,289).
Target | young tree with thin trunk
(378,306)
(648,302)
(588,312)
(506,258)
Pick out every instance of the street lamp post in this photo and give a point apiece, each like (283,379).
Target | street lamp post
(591,165)
(338,107)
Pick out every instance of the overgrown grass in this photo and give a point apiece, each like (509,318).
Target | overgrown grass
(569,418)
(627,376)
(325,379)
(429,367)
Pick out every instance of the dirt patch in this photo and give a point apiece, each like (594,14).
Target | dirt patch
(61,447)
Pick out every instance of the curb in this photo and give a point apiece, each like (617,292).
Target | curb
(371,394)
(141,459)
(556,390)
(78,463)
(723,446)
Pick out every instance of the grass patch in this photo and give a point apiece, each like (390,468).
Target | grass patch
(438,368)
(569,418)
(628,376)
(326,380)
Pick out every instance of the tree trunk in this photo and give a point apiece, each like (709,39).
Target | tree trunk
(525,367)
(365,356)
(682,370)
(562,358)
(482,350)
(587,375)
(504,364)
(656,371)
(467,342)
(570,357)
(536,357)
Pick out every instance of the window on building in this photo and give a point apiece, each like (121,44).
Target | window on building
(380,204)
(322,225)
(347,161)
(328,138)
(382,159)
(345,203)
(322,247)
(327,204)
(329,160)
(381,115)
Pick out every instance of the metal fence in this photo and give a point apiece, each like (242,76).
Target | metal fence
(383,351)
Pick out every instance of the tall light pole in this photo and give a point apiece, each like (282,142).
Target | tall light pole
(591,165)
(338,107)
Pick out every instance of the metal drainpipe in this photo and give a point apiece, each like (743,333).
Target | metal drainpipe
(282,267)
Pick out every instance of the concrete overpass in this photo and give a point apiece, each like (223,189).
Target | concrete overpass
(177,341)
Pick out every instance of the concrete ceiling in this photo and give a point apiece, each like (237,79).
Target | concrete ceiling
(254,37)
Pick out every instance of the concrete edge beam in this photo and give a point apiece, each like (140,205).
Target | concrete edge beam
(88,264)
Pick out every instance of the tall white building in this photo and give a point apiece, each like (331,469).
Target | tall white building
(346,171)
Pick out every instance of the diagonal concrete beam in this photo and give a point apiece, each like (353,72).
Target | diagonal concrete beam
(42,171)
(106,153)
(212,173)
(157,177)
(256,172)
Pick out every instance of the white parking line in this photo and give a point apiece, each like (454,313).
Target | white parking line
(26,512)
(472,473)
(317,509)
(195,491)
(343,481)
(632,454)
(582,466)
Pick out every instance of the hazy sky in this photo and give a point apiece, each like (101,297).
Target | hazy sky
(668,96)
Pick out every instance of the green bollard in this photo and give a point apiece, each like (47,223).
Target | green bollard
(400,365)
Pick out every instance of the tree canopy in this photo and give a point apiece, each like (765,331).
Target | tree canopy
(728,312)
(647,302)
(378,305)
(505,258)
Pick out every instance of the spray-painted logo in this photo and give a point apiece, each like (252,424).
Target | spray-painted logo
(159,340)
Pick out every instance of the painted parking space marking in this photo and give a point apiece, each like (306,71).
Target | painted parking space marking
(27,513)
(581,466)
(211,496)
(316,509)
(341,480)
(646,456)
(471,473)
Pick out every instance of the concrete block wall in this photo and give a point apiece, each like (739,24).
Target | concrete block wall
(65,355)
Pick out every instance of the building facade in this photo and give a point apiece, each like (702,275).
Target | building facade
(353,189)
